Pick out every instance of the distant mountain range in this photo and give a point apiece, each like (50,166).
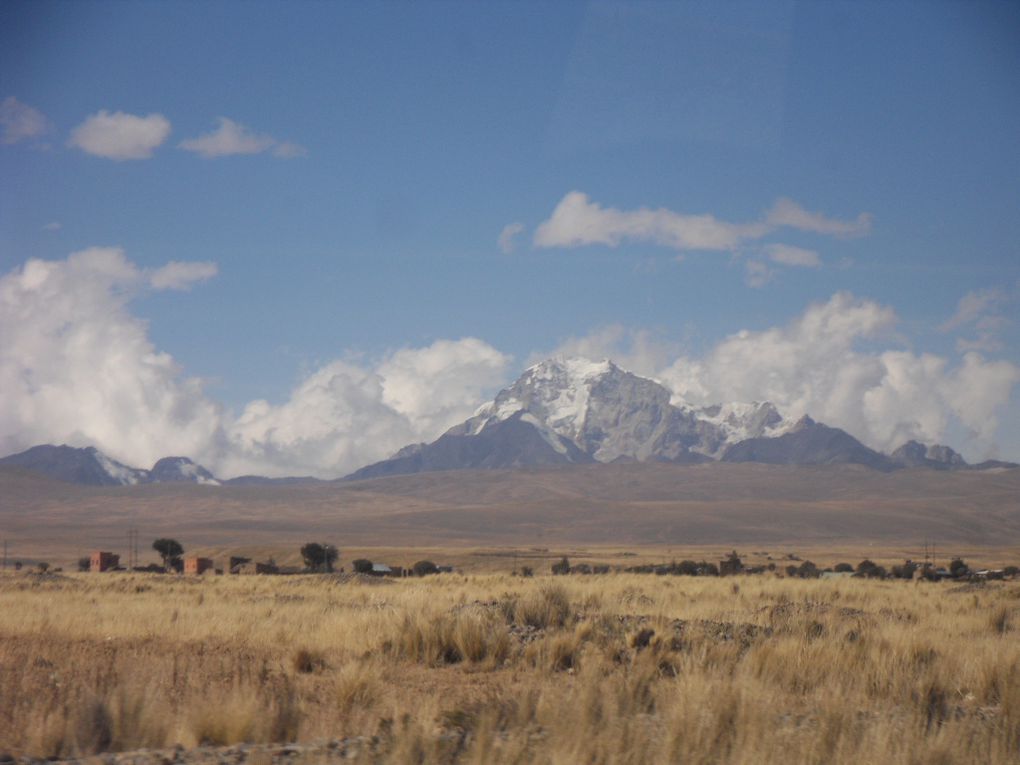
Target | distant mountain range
(574,411)
(90,467)
(560,412)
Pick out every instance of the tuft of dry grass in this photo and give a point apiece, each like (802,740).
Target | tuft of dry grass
(498,669)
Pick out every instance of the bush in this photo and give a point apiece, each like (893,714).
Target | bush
(842,568)
(527,571)
(958,568)
(424,568)
(808,570)
(84,564)
(561,567)
(906,571)
(865,566)
(362,566)
(549,607)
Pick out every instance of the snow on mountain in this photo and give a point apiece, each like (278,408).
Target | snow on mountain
(87,466)
(118,472)
(612,414)
(181,469)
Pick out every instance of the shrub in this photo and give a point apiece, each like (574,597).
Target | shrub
(319,557)
(362,566)
(424,568)
(527,571)
(808,570)
(548,607)
(84,564)
(958,567)
(561,567)
(843,568)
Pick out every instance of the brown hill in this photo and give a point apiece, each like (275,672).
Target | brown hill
(645,503)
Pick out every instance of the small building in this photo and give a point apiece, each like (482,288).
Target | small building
(381,569)
(196,565)
(103,561)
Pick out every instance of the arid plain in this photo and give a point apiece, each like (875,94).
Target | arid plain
(484,666)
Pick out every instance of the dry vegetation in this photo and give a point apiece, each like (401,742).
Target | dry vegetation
(492,669)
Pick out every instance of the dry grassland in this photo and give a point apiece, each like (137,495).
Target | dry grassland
(496,669)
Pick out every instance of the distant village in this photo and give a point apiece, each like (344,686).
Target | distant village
(319,559)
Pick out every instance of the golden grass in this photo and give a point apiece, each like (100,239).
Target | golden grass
(497,669)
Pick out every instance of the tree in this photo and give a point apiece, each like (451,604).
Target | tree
(84,564)
(319,557)
(362,566)
(562,567)
(170,551)
(424,568)
(958,568)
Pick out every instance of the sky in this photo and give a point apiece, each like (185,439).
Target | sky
(290,238)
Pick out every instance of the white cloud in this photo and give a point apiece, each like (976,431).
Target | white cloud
(344,416)
(77,367)
(20,121)
(232,138)
(577,221)
(120,136)
(786,212)
(815,366)
(507,235)
(973,306)
(981,311)
(637,350)
(789,255)
(757,274)
(177,275)
(54,225)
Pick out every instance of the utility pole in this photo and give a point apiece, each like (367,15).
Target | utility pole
(5,555)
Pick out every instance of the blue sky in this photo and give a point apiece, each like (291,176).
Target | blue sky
(353,202)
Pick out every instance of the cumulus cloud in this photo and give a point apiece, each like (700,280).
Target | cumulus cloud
(232,138)
(19,122)
(789,255)
(786,212)
(77,367)
(815,365)
(177,275)
(345,415)
(508,235)
(120,136)
(577,221)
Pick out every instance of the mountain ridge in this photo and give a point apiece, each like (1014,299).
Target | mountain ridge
(560,411)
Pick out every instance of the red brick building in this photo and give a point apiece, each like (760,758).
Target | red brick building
(103,561)
(196,565)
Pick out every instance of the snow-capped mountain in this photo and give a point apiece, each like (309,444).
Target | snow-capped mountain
(587,411)
(85,466)
(91,467)
(176,469)
(612,414)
